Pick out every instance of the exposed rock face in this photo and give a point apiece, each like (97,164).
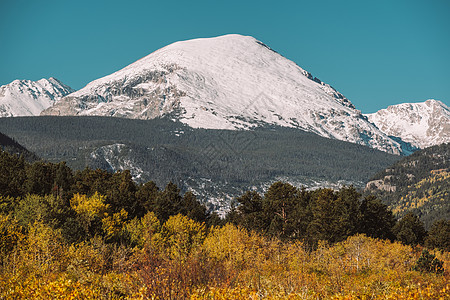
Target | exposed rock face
(421,124)
(145,96)
(380,185)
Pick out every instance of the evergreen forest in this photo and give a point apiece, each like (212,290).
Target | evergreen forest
(163,150)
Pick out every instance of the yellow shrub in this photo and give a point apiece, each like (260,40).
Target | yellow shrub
(89,208)
(180,235)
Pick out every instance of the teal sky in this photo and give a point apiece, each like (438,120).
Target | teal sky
(377,53)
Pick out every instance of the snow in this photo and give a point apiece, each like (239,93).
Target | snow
(116,156)
(30,98)
(422,124)
(227,82)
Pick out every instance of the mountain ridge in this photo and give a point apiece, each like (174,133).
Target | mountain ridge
(227,82)
(422,124)
(11,146)
(30,98)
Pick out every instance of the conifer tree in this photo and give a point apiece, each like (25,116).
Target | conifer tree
(376,220)
(410,230)
(439,236)
(12,174)
(279,206)
(250,211)
(121,193)
(147,194)
(192,208)
(168,202)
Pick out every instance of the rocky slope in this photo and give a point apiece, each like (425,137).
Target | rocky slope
(30,98)
(227,82)
(422,124)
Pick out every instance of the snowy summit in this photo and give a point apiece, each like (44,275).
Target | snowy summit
(30,98)
(422,124)
(227,82)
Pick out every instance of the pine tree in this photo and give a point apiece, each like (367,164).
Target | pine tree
(39,178)
(324,223)
(250,211)
(439,236)
(192,208)
(410,230)
(121,194)
(147,194)
(376,220)
(12,174)
(279,206)
(168,202)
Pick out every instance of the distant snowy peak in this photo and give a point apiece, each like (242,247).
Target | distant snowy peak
(30,98)
(422,124)
(226,82)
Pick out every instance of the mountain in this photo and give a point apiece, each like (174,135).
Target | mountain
(12,147)
(227,82)
(216,164)
(422,124)
(418,183)
(30,98)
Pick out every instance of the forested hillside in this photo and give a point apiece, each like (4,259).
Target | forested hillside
(91,234)
(11,146)
(213,163)
(419,183)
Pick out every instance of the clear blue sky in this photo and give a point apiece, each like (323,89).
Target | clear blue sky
(376,53)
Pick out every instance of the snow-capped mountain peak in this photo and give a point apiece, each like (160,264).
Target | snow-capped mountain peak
(422,124)
(226,82)
(30,98)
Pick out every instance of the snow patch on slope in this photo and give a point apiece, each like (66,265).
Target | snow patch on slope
(116,157)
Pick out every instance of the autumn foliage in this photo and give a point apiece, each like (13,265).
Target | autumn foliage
(95,235)
(182,259)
